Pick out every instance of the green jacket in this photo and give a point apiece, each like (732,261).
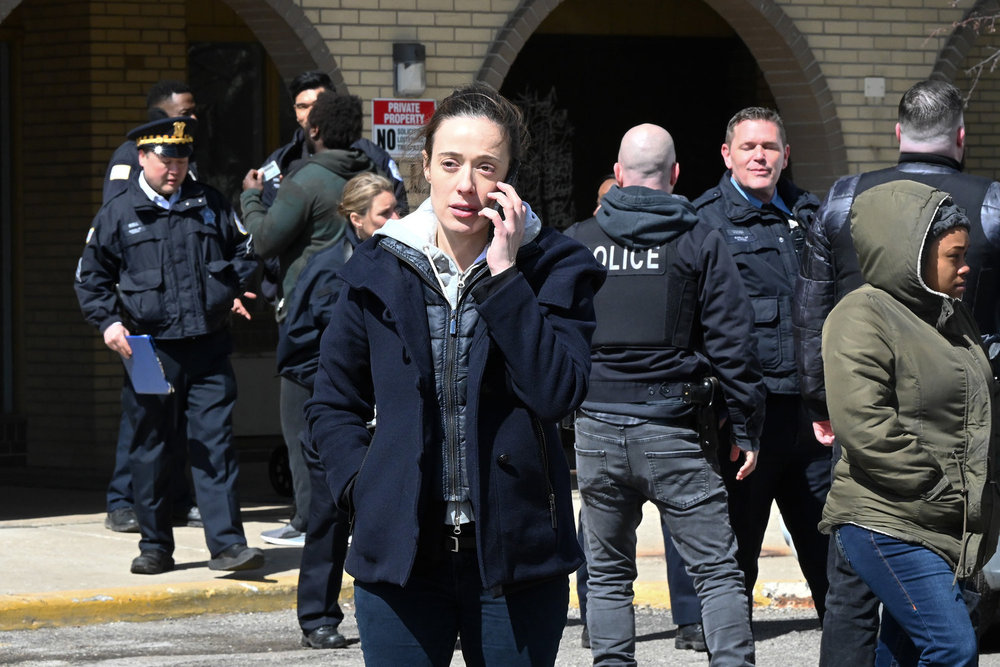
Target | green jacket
(910,393)
(303,218)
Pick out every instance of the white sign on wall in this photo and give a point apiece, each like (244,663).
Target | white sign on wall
(395,121)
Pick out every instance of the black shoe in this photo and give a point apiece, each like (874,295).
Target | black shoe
(691,637)
(585,638)
(237,557)
(122,520)
(190,517)
(325,636)
(152,561)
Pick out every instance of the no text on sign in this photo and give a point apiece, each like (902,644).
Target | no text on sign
(394,122)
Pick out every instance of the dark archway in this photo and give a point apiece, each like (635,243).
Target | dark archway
(785,59)
(288,36)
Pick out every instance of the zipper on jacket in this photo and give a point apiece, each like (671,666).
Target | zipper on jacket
(540,432)
(476,271)
(451,400)
(174,286)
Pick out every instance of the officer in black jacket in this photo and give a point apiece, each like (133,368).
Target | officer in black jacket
(672,314)
(931,135)
(167,257)
(166,98)
(761,216)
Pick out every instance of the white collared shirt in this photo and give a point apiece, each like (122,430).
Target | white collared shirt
(155,196)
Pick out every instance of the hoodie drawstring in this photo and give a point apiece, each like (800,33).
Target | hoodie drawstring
(437,274)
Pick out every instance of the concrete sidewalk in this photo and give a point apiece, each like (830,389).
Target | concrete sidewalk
(60,566)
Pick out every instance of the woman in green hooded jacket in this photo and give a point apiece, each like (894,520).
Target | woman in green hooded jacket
(910,394)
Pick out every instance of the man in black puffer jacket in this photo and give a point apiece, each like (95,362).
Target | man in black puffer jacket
(931,136)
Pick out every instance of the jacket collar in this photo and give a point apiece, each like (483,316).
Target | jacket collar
(376,270)
(930,158)
(801,203)
(191,195)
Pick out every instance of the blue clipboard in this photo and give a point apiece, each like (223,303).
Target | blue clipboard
(144,367)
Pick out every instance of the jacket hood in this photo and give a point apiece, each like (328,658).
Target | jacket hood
(640,217)
(889,225)
(346,163)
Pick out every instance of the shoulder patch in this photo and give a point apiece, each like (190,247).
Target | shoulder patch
(239,225)
(120,172)
(90,235)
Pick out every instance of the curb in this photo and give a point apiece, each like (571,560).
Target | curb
(158,602)
(146,603)
(783,594)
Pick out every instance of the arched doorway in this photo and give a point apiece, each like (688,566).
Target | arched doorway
(687,66)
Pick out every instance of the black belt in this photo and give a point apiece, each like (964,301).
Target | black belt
(464,541)
(696,393)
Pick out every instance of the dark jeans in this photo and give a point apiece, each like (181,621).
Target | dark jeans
(926,621)
(322,568)
(850,625)
(621,463)
(685,608)
(793,470)
(199,412)
(417,625)
(293,430)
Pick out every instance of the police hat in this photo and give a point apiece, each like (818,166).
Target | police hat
(169,137)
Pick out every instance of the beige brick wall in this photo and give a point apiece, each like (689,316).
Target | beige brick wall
(86,69)
(982,115)
(896,40)
(886,38)
(87,65)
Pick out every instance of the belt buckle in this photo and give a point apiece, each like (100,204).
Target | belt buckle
(454,543)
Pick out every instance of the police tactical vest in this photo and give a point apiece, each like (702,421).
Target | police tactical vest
(968,191)
(650,278)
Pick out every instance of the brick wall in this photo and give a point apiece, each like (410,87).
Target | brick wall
(900,40)
(87,66)
(982,115)
(86,69)
(843,43)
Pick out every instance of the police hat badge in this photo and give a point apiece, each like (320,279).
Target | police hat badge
(168,137)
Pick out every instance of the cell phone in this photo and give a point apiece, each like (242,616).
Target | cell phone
(510,179)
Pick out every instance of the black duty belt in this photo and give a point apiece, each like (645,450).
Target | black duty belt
(692,393)
(464,541)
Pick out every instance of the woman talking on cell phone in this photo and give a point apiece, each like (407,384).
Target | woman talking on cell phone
(469,328)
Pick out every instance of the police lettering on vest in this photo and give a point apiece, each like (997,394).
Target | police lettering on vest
(630,262)
(650,276)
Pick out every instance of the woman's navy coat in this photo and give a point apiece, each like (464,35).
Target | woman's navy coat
(528,368)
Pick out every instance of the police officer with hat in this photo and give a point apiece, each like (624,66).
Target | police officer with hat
(168,257)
